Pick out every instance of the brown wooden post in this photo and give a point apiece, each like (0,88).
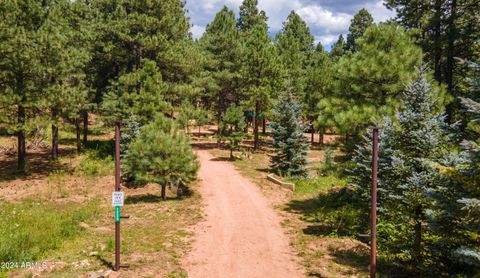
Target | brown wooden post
(117,188)
(373,247)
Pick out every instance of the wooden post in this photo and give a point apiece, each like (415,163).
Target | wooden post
(117,188)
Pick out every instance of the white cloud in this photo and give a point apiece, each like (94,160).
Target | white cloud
(379,12)
(327,19)
(322,18)
(328,39)
(197,31)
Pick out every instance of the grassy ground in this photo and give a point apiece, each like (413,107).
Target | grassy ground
(59,215)
(314,216)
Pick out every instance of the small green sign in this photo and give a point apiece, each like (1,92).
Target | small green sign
(117,214)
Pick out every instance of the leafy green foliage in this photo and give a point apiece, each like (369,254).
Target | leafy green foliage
(290,144)
(232,127)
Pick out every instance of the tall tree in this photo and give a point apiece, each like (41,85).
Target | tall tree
(20,68)
(140,93)
(131,32)
(446,29)
(318,86)
(358,25)
(261,69)
(295,46)
(411,144)
(369,82)
(338,48)
(221,40)
(63,60)
(250,16)
(455,217)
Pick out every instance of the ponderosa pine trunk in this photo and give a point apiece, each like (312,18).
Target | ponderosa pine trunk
(21,148)
(255,129)
(78,133)
(438,41)
(264,126)
(85,127)
(313,134)
(321,132)
(450,56)
(54,137)
(164,192)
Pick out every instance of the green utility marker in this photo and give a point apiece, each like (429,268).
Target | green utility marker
(117,214)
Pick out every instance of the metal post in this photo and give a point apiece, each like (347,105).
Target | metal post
(373,247)
(117,188)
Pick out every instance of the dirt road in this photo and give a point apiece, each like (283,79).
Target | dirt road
(241,236)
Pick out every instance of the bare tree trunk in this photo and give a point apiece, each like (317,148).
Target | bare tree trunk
(255,129)
(450,55)
(264,126)
(85,127)
(322,130)
(77,129)
(21,148)
(313,134)
(437,41)
(164,192)
(54,137)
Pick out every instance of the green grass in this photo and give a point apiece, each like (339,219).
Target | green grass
(31,229)
(316,184)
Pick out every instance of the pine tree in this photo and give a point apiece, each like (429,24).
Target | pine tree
(250,16)
(288,137)
(221,40)
(370,81)
(358,25)
(338,48)
(445,29)
(162,155)
(22,69)
(201,118)
(261,69)
(455,217)
(186,115)
(319,80)
(63,59)
(232,126)
(140,93)
(295,46)
(410,147)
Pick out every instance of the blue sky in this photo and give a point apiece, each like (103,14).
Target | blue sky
(327,19)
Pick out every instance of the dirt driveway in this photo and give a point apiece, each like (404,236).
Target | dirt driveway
(241,236)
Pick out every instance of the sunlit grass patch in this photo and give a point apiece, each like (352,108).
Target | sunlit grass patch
(31,229)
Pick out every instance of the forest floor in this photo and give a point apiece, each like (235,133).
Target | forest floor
(59,214)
